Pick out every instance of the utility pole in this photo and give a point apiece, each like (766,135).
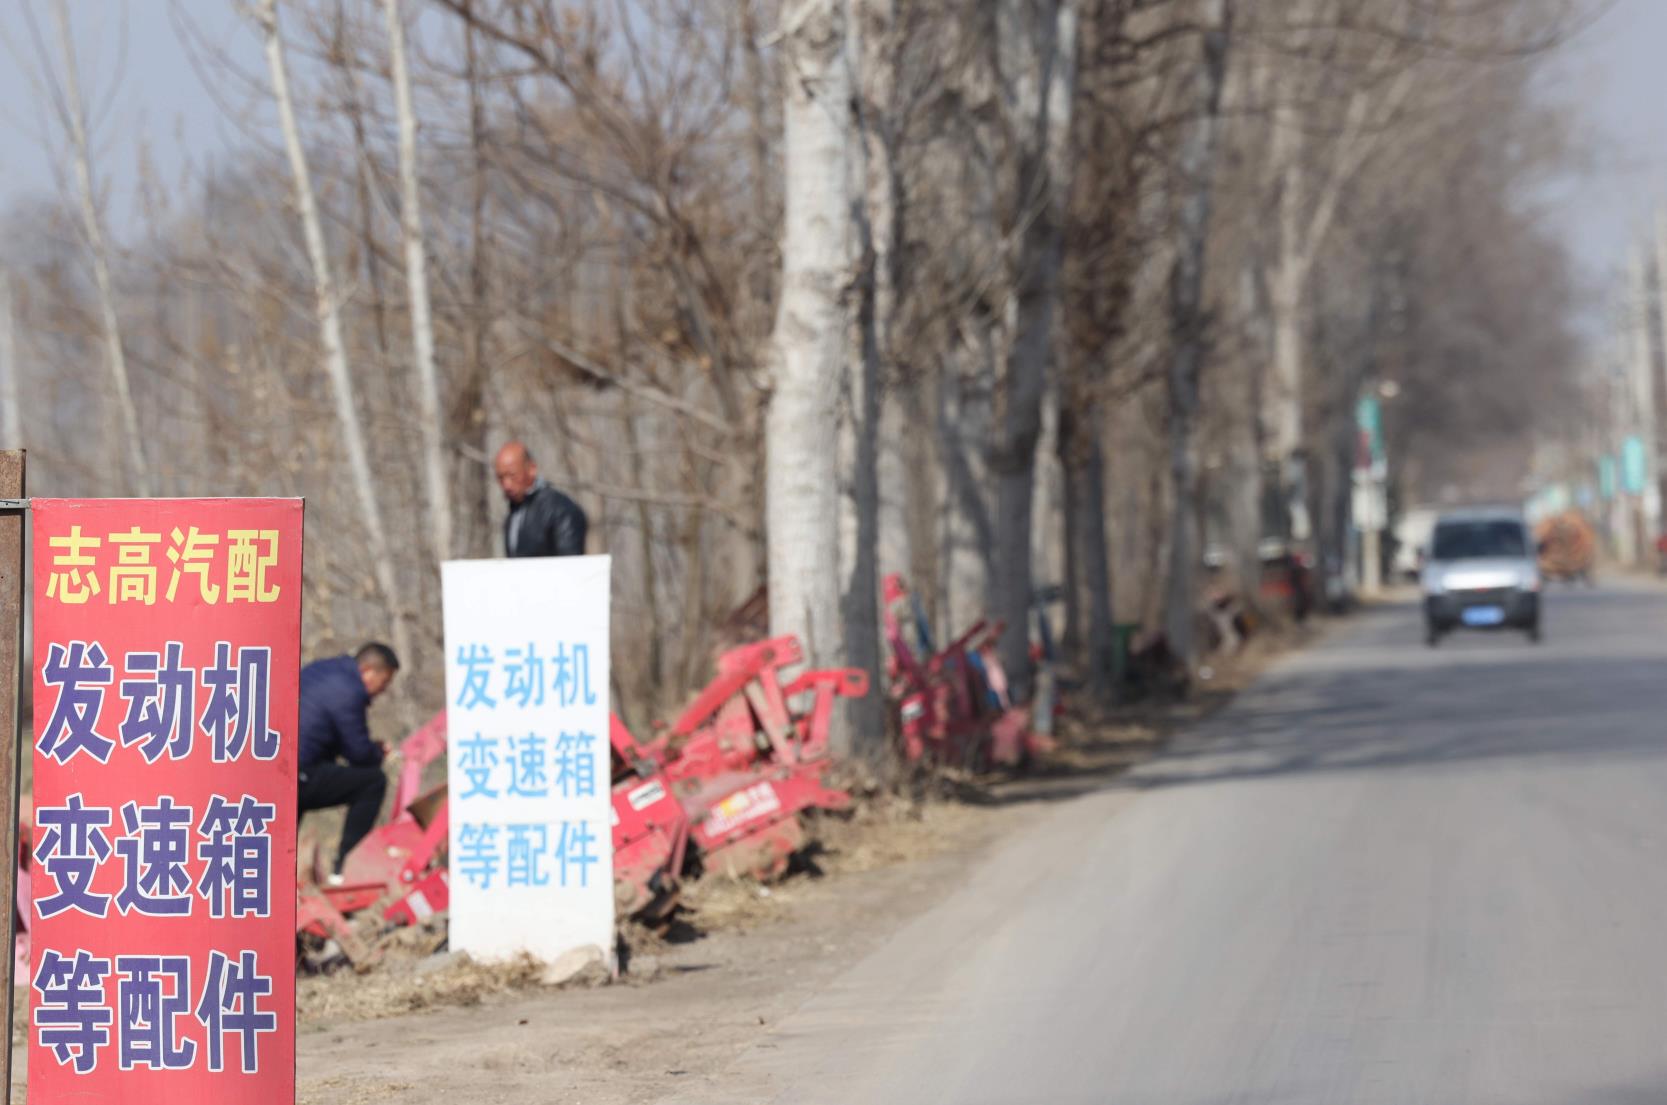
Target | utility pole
(12,489)
(1655,321)
(1641,460)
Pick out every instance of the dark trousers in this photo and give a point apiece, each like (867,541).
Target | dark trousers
(360,789)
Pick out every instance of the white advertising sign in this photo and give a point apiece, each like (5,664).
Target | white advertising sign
(527,756)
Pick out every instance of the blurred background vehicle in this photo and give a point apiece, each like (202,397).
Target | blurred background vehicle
(1481,574)
(1566,546)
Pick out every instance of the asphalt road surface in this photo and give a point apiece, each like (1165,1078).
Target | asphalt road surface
(1387,874)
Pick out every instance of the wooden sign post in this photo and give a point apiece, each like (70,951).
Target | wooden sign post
(11,682)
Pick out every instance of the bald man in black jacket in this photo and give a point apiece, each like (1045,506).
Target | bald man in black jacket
(542,521)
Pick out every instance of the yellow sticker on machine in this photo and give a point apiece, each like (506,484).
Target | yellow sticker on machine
(758,800)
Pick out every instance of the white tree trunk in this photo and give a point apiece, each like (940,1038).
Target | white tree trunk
(1089,626)
(473,492)
(11,389)
(330,336)
(966,537)
(1047,509)
(881,182)
(1243,475)
(909,482)
(416,281)
(864,719)
(1282,396)
(1248,449)
(92,225)
(811,338)
(1285,301)
(1287,287)
(895,532)
(1196,170)
(864,733)
(1037,48)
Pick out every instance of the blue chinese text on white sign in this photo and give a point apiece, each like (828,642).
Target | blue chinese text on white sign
(527,724)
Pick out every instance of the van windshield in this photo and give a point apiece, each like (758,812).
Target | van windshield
(1473,540)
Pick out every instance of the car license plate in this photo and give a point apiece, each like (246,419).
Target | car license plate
(1484,615)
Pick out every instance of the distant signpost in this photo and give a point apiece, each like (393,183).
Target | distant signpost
(1634,465)
(167,655)
(528,764)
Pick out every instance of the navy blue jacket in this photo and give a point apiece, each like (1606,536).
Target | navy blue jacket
(333,705)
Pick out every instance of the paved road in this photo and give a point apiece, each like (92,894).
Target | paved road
(1386,875)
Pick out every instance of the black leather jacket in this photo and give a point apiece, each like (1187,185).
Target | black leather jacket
(551,525)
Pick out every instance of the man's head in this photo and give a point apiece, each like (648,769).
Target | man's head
(377,666)
(516,471)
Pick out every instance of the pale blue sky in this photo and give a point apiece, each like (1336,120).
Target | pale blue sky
(139,83)
(1614,78)
(143,87)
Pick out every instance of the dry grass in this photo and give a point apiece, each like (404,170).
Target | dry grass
(394,988)
(718,902)
(887,830)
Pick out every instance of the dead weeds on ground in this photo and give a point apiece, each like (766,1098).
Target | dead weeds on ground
(396,987)
(889,829)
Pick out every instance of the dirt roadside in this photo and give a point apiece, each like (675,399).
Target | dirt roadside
(702,1001)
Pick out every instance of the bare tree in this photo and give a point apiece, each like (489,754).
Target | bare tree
(867,57)
(73,116)
(416,280)
(1104,250)
(468,409)
(1196,167)
(1309,190)
(811,330)
(1035,46)
(330,332)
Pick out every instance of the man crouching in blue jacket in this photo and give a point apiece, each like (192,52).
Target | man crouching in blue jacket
(335,696)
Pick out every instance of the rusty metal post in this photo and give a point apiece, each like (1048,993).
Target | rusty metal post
(11,685)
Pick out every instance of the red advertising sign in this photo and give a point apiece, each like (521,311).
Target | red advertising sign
(166,660)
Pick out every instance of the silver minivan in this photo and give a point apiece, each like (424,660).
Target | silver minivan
(1480,572)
